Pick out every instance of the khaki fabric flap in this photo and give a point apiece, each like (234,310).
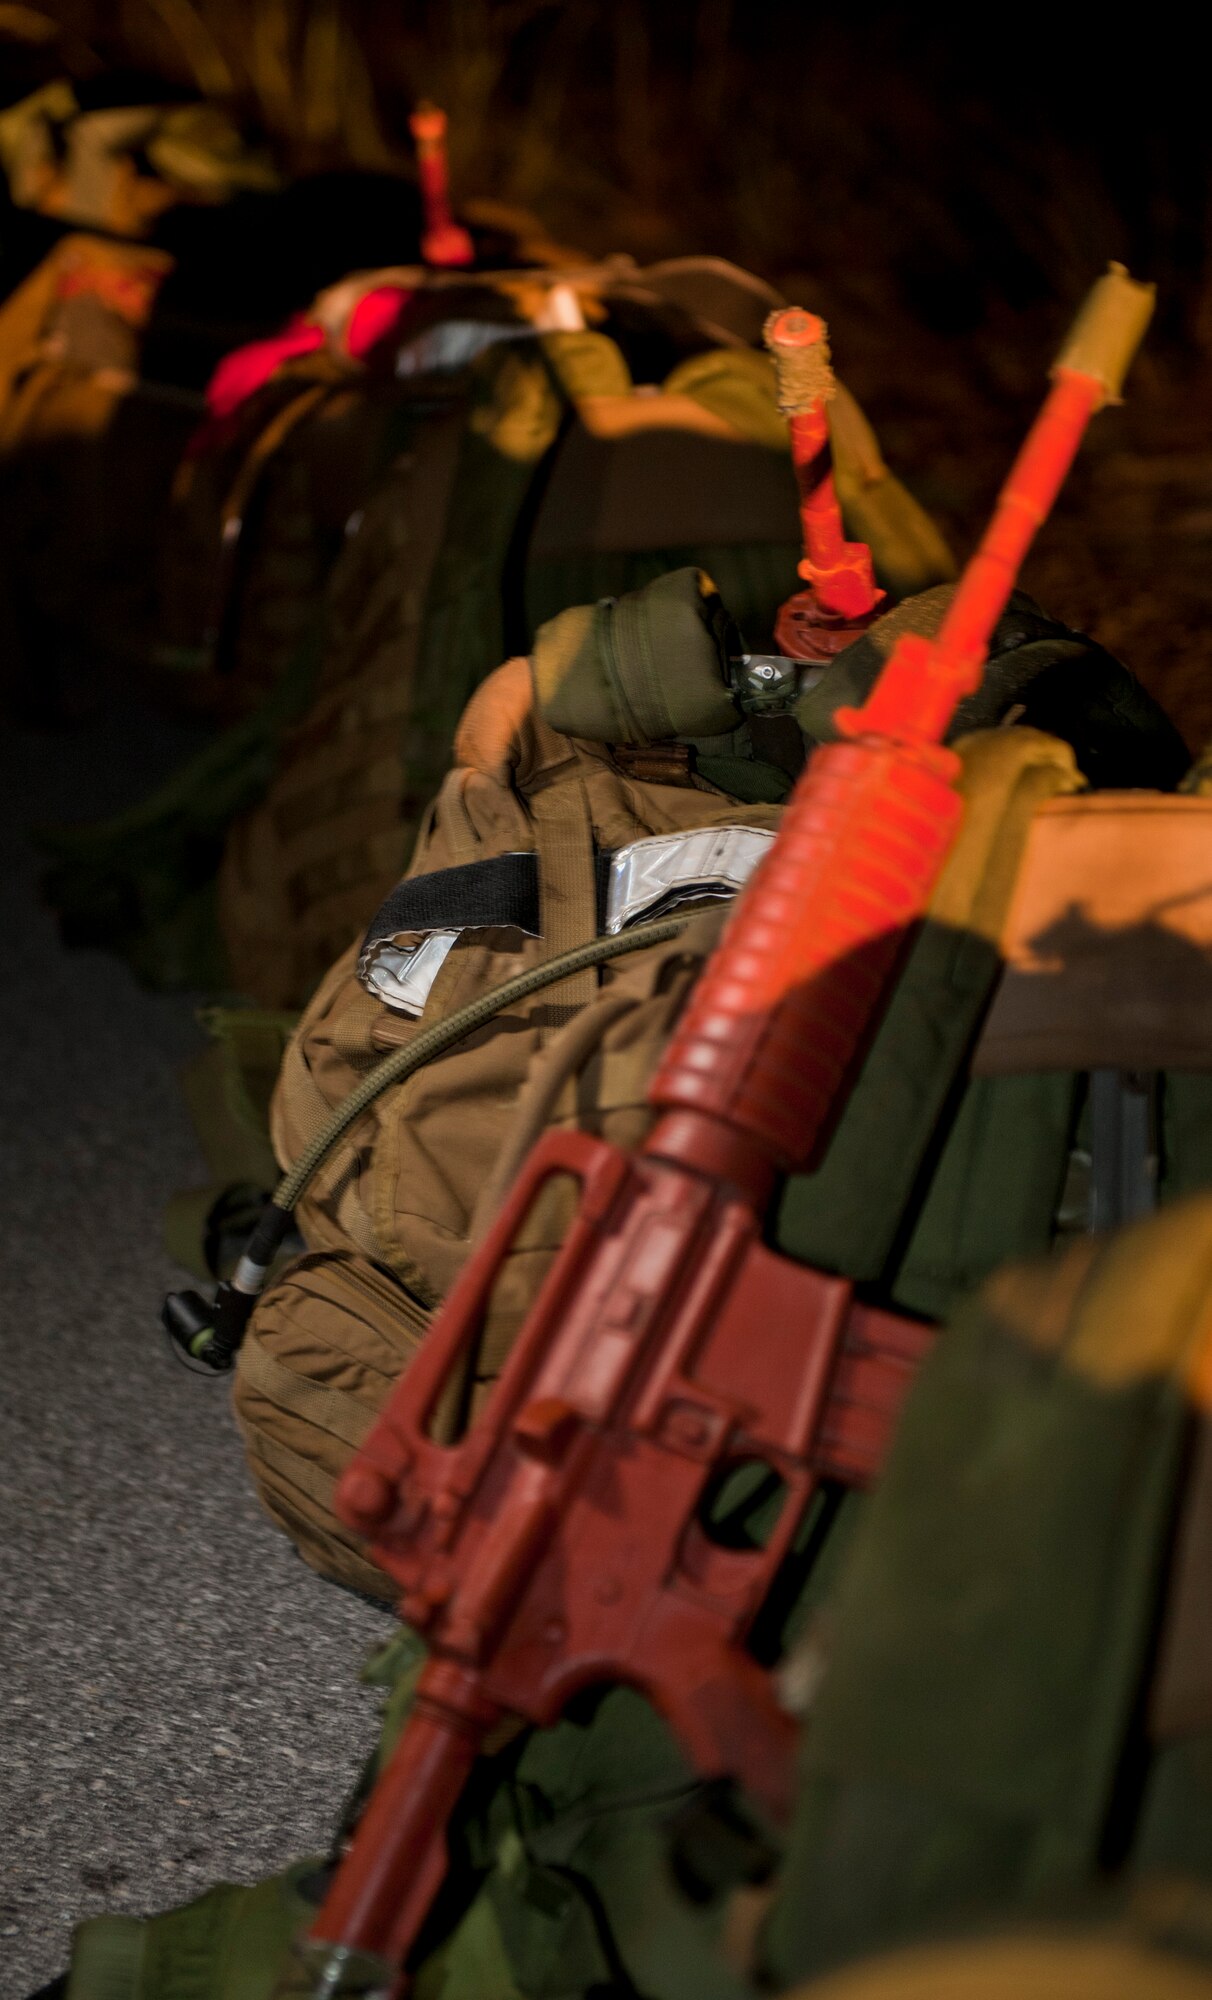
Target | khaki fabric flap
(329,1409)
(304,1473)
(1108,940)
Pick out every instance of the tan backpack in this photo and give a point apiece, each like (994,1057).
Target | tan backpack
(537,842)
(393,1213)
(334,1333)
(422,1175)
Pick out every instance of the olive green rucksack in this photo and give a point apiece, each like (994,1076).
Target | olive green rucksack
(259,511)
(1017,1701)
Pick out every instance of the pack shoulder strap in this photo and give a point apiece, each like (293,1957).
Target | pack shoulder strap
(568,882)
(848,1214)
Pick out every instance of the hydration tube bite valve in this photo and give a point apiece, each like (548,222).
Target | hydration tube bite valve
(211,1334)
(770,683)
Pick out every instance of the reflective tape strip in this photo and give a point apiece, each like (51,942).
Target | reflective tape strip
(671,868)
(401,976)
(642,880)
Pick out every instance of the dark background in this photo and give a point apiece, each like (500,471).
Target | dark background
(941,184)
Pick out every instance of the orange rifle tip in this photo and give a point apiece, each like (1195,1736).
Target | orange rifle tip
(427,122)
(793,326)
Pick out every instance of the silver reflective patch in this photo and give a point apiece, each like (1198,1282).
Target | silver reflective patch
(666,869)
(401,976)
(646,878)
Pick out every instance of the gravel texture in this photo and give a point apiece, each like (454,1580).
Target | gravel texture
(180,1693)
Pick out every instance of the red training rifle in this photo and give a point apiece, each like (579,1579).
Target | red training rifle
(559,1543)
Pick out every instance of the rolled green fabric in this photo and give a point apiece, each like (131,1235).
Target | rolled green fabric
(641,668)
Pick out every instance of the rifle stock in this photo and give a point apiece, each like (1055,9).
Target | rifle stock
(563,1540)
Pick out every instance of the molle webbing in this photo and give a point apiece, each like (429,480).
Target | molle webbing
(505,892)
(501,892)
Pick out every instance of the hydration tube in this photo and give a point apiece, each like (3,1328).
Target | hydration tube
(210,1332)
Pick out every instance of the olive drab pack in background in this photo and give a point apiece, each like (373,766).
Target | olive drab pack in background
(77,428)
(543,471)
(299,423)
(298,427)
(89,436)
(697,473)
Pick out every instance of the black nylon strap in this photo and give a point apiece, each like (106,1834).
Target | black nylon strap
(501,893)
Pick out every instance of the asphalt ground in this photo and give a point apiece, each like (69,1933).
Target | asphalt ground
(179,1694)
